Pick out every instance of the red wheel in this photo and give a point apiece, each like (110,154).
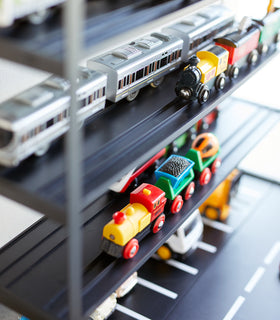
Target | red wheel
(158,224)
(205,176)
(189,191)
(131,249)
(177,204)
(216,165)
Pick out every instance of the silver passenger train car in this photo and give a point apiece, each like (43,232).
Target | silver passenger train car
(30,121)
(133,66)
(198,30)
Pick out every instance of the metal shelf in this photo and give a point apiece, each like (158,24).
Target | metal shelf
(107,24)
(38,256)
(115,141)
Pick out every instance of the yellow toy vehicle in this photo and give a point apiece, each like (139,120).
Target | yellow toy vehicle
(204,71)
(216,207)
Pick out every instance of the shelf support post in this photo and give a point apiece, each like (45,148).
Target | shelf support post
(73,17)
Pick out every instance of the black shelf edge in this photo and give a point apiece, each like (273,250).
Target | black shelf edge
(37,277)
(12,191)
(105,162)
(42,46)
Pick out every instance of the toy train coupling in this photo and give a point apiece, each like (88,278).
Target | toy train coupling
(185,93)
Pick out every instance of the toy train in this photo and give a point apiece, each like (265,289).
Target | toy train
(30,121)
(148,59)
(208,69)
(150,203)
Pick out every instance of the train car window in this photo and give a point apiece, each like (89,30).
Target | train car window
(139,74)
(119,86)
(103,91)
(163,62)
(5,137)
(50,123)
(133,77)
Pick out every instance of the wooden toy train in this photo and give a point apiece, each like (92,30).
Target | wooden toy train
(149,204)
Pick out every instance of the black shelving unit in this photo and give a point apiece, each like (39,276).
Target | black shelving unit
(134,133)
(33,271)
(38,255)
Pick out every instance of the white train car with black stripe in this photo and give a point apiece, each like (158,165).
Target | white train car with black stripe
(30,121)
(198,30)
(135,65)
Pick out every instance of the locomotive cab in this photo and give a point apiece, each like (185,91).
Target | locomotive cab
(187,85)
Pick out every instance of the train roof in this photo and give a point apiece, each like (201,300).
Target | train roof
(53,92)
(269,18)
(202,20)
(147,194)
(238,38)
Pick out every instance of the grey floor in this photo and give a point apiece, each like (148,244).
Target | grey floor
(7,314)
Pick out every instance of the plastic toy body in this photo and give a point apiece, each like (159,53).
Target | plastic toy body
(270,30)
(175,177)
(146,60)
(217,206)
(146,205)
(11,10)
(241,46)
(127,286)
(105,309)
(208,121)
(132,176)
(205,164)
(30,121)
(133,66)
(199,29)
(184,241)
(205,70)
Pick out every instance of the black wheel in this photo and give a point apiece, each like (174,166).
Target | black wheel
(203,95)
(185,93)
(233,72)
(157,82)
(277,38)
(132,95)
(220,81)
(253,57)
(262,48)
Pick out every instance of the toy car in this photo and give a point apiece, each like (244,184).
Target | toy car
(217,206)
(184,241)
(105,309)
